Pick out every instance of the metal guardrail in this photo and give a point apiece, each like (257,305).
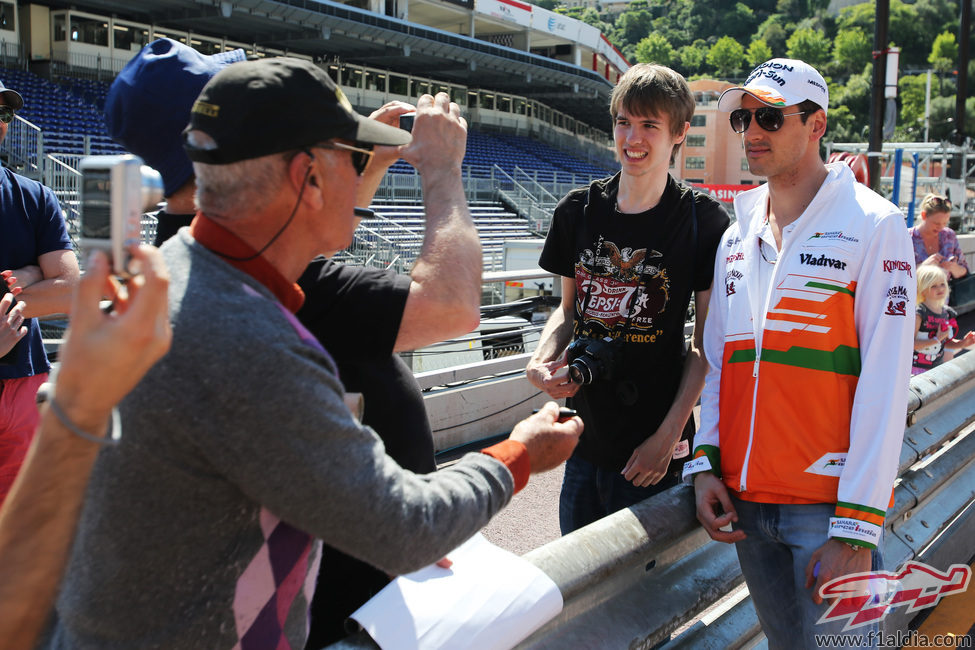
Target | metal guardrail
(638,576)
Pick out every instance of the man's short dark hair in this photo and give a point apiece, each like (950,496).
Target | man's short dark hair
(808,107)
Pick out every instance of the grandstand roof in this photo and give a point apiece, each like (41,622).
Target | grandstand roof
(327,29)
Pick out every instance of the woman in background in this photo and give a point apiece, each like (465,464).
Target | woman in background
(936,243)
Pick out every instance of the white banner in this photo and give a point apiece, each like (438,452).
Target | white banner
(508,10)
(550,22)
(589,36)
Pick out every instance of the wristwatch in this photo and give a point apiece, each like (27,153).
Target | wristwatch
(855,547)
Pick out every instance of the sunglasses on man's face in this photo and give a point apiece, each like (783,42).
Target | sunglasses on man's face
(360,156)
(6,114)
(767,117)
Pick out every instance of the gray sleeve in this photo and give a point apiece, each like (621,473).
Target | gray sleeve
(297,451)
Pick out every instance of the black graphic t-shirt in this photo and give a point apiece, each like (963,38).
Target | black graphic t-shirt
(634,275)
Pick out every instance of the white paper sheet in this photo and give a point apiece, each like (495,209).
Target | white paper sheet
(489,599)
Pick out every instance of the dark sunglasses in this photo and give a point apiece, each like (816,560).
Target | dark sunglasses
(6,114)
(360,156)
(767,117)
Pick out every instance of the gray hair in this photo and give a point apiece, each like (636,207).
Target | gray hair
(237,189)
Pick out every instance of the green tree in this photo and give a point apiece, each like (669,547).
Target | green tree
(855,97)
(692,58)
(809,46)
(908,28)
(852,49)
(774,33)
(547,4)
(911,91)
(633,26)
(738,22)
(758,52)
(655,49)
(944,53)
(726,56)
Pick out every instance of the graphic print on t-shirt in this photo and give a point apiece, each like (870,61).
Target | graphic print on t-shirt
(611,282)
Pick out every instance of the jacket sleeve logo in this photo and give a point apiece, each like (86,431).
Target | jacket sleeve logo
(897,265)
(896,301)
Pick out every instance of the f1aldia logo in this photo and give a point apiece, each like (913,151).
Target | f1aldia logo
(864,598)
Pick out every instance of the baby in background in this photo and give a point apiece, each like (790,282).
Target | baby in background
(935,325)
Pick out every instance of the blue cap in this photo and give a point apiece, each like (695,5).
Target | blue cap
(12,97)
(148,105)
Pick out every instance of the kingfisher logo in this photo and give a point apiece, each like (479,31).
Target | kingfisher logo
(865,598)
(897,265)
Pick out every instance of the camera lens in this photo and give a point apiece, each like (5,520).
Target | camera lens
(580,372)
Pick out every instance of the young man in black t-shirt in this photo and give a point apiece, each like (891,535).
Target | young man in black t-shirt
(630,250)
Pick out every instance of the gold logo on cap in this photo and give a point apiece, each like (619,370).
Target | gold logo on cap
(346,104)
(203,108)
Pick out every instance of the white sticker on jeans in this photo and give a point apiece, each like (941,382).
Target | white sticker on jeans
(682,450)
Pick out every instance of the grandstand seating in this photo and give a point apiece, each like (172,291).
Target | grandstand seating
(71,110)
(507,151)
(400,226)
(70,115)
(66,112)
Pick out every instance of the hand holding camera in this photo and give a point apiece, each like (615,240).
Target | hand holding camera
(115,192)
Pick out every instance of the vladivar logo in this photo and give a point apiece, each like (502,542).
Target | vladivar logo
(865,598)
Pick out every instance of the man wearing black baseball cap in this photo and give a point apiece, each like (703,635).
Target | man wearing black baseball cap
(212,505)
(146,111)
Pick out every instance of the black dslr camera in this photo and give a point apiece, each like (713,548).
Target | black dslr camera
(594,359)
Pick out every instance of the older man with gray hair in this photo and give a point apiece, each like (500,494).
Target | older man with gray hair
(212,503)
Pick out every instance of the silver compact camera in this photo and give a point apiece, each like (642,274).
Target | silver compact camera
(115,192)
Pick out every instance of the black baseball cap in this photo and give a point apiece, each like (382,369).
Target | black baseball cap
(258,108)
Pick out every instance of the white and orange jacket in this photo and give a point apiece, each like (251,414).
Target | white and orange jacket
(806,397)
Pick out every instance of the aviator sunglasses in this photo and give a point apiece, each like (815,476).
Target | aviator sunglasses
(767,117)
(360,156)
(6,114)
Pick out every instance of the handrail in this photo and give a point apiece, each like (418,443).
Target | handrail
(541,188)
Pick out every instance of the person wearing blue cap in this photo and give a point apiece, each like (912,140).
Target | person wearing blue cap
(38,265)
(147,107)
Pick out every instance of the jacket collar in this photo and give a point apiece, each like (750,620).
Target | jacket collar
(225,244)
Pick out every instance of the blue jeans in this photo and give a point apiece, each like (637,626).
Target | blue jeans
(781,539)
(590,493)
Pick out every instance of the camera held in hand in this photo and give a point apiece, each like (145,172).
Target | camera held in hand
(115,192)
(594,359)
